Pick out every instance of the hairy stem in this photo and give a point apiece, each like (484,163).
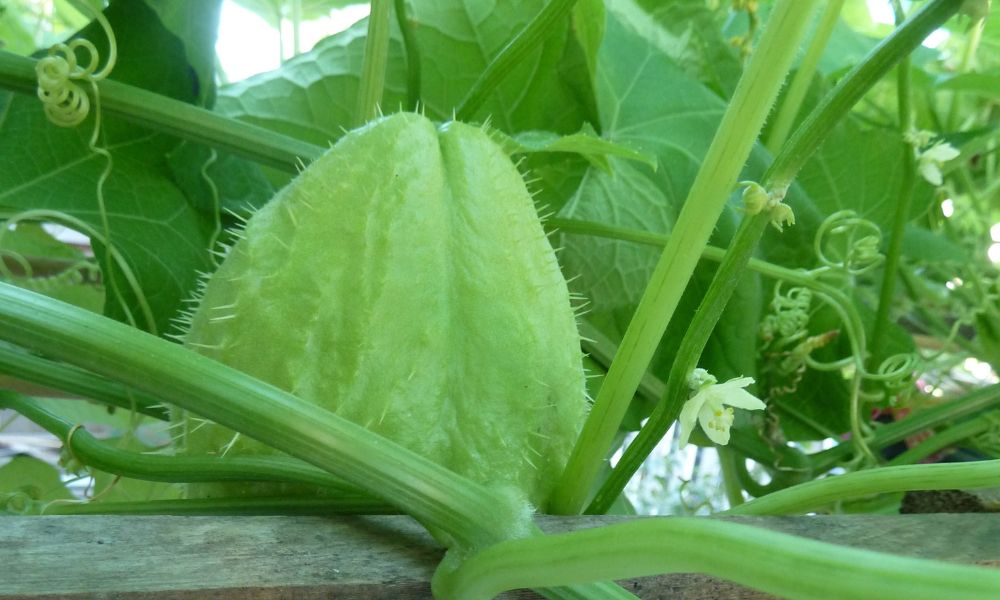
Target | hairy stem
(947,437)
(777,563)
(348,504)
(797,89)
(688,353)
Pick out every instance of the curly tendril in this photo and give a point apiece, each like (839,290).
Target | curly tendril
(846,242)
(66,103)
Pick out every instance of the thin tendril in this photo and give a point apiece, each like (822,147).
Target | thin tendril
(66,104)
(216,206)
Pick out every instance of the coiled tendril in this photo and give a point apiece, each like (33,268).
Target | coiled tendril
(66,103)
(848,243)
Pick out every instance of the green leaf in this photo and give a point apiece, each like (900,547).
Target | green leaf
(161,237)
(43,264)
(927,246)
(33,481)
(861,170)
(313,96)
(983,84)
(677,128)
(586,143)
(196,25)
(588,27)
(691,35)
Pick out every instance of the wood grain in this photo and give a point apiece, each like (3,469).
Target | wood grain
(368,558)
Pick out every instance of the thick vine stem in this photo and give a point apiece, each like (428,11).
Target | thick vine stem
(797,89)
(160,467)
(815,494)
(466,514)
(692,345)
(726,156)
(431,493)
(777,563)
(412,48)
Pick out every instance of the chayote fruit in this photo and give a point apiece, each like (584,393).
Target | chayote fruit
(404,282)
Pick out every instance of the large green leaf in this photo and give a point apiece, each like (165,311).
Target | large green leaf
(691,35)
(648,102)
(161,237)
(861,170)
(313,96)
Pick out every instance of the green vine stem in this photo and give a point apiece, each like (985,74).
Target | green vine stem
(896,46)
(27,367)
(972,42)
(92,452)
(688,353)
(903,203)
(373,67)
(755,94)
(176,118)
(777,563)
(815,494)
(948,436)
(792,104)
(729,465)
(533,34)
(973,403)
(412,48)
(432,494)
(469,515)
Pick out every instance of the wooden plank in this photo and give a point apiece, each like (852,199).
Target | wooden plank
(368,558)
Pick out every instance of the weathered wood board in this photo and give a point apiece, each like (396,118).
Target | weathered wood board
(368,558)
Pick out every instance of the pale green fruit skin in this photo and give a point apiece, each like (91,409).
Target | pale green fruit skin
(404,281)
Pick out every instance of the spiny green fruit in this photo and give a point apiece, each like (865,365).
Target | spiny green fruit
(404,281)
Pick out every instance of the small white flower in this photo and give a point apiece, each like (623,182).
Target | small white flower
(711,404)
(931,159)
